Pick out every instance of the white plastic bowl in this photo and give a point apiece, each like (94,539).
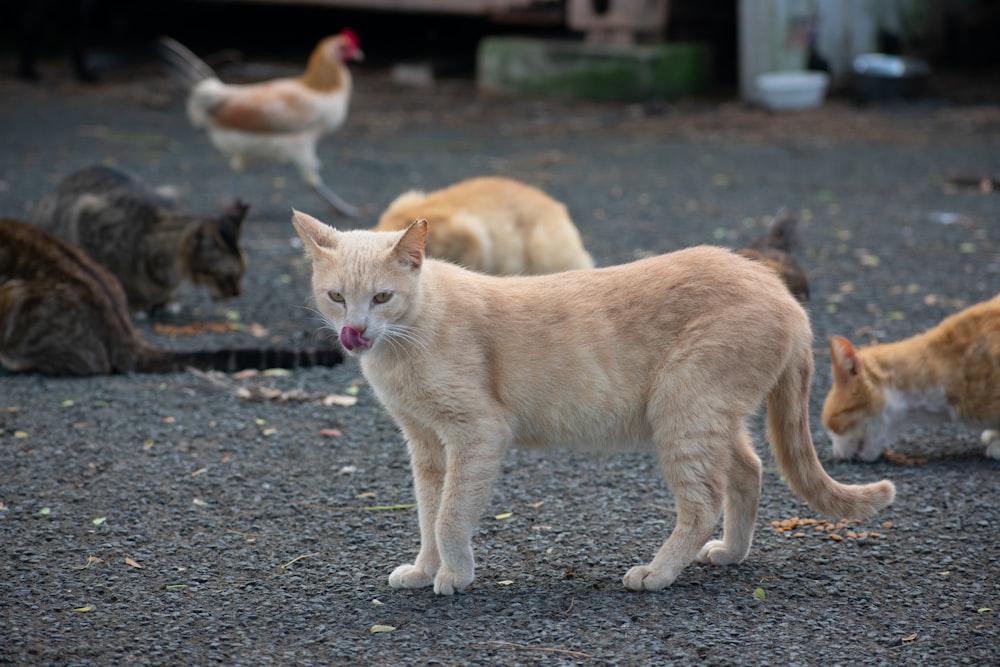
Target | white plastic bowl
(784,91)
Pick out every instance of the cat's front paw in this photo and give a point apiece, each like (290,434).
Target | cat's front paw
(645,578)
(451,580)
(410,576)
(715,552)
(991,439)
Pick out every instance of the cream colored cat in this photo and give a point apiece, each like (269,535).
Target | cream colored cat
(949,372)
(674,351)
(494,225)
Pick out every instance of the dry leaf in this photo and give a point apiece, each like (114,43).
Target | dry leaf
(503,515)
(84,609)
(339,399)
(331,432)
(382,628)
(129,561)
(90,561)
(297,559)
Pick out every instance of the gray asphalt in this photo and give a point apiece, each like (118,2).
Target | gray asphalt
(163,520)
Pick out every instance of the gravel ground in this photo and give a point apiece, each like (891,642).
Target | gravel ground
(163,520)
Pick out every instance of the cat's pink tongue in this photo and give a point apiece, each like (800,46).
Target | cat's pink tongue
(351,338)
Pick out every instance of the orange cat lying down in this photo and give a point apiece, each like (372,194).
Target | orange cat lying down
(493,225)
(949,372)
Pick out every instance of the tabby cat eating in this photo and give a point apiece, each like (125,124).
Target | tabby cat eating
(675,351)
(61,313)
(949,372)
(145,237)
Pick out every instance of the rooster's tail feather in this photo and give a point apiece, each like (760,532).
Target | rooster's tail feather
(182,63)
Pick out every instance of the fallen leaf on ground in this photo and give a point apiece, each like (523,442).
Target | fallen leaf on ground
(297,559)
(90,561)
(84,609)
(382,628)
(132,563)
(902,459)
(193,329)
(339,399)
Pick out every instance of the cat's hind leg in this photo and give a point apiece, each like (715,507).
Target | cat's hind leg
(742,501)
(427,461)
(690,464)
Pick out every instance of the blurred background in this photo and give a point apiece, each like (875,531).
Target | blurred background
(91,38)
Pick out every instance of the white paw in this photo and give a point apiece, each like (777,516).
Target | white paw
(710,551)
(715,553)
(991,439)
(451,580)
(645,578)
(410,576)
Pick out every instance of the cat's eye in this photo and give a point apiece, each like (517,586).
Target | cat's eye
(335,296)
(382,297)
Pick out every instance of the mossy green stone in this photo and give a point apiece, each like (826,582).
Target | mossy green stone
(588,71)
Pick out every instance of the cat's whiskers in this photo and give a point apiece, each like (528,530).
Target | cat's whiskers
(399,335)
(323,323)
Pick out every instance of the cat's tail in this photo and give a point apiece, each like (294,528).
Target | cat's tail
(791,441)
(184,66)
(782,234)
(155,360)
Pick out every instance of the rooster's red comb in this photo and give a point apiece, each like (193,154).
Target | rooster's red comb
(351,37)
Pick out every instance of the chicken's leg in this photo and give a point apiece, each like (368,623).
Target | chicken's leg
(339,204)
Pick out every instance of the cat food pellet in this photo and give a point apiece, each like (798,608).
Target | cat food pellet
(836,537)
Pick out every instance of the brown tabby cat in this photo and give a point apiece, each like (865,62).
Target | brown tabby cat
(774,248)
(676,350)
(145,237)
(951,371)
(61,313)
(494,225)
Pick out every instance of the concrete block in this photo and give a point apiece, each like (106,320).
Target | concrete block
(591,71)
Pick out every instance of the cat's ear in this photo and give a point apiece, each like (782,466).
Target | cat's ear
(314,234)
(845,360)
(409,250)
(236,213)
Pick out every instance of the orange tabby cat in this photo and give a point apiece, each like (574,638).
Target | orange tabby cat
(494,225)
(675,351)
(951,371)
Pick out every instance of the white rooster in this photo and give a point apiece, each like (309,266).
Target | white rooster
(279,120)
